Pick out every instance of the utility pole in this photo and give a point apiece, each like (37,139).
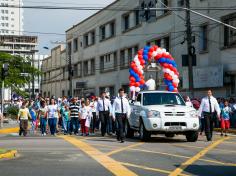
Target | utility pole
(190,48)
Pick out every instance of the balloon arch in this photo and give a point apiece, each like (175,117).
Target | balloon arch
(145,56)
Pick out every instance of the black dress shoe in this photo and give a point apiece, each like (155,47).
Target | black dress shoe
(122,141)
(118,138)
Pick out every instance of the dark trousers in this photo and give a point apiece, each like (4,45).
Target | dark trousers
(120,130)
(23,127)
(52,122)
(103,116)
(209,121)
(93,122)
(202,124)
(74,125)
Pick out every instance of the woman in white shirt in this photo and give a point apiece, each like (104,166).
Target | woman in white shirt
(53,113)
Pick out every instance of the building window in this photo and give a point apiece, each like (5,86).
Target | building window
(69,49)
(86,40)
(93,66)
(92,37)
(203,38)
(86,70)
(126,22)
(64,73)
(112,29)
(101,63)
(75,70)
(108,62)
(79,67)
(130,55)
(63,93)
(161,42)
(122,58)
(102,32)
(137,19)
(164,4)
(75,45)
(230,34)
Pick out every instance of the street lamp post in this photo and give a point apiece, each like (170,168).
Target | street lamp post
(33,80)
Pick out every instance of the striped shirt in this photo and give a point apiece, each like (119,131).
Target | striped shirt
(74,110)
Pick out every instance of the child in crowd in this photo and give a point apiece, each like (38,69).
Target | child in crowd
(66,120)
(85,118)
(225,118)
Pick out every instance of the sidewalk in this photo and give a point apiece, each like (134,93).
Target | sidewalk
(232,131)
(12,127)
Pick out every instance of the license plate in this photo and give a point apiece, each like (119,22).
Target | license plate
(175,128)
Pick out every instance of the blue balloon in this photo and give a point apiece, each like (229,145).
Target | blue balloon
(147,47)
(145,57)
(171,88)
(145,52)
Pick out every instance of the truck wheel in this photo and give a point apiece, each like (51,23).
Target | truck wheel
(170,135)
(129,133)
(144,135)
(192,136)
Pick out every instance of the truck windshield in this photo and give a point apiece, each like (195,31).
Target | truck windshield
(162,99)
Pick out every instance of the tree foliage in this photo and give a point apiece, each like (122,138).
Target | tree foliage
(20,72)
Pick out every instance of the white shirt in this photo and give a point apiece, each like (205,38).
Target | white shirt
(151,84)
(205,106)
(93,105)
(116,108)
(107,105)
(53,111)
(85,112)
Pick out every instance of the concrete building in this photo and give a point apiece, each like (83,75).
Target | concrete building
(24,46)
(11,19)
(55,74)
(102,46)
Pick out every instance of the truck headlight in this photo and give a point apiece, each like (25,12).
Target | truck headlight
(193,113)
(152,114)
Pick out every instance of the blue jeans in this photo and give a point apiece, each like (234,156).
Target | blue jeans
(52,122)
(43,124)
(109,125)
(66,127)
(74,125)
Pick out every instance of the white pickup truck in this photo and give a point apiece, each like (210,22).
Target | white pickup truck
(162,112)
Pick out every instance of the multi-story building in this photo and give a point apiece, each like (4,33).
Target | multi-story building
(55,74)
(24,46)
(11,19)
(102,46)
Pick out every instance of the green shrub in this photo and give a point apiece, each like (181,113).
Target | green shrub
(12,111)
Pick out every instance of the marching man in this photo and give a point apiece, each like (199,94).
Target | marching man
(121,111)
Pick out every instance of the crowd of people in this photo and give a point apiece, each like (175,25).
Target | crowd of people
(76,116)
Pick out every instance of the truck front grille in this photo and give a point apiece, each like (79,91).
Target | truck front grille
(174,113)
(175,124)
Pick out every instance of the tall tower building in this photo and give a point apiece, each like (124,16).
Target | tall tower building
(11,19)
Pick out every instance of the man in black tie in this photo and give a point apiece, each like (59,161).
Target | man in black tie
(103,108)
(121,111)
(208,107)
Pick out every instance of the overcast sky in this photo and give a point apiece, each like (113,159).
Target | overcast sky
(55,21)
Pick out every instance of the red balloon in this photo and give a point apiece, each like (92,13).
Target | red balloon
(132,79)
(149,55)
(175,85)
(142,77)
(165,65)
(140,56)
(151,50)
(155,47)
(135,69)
(175,90)
(158,56)
(142,82)
(169,78)
(166,75)
(131,84)
(137,84)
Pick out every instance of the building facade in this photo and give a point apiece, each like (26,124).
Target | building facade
(102,46)
(11,19)
(55,74)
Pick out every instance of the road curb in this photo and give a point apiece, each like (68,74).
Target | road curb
(233,131)
(9,154)
(9,130)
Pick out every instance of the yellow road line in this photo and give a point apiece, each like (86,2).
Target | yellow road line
(190,161)
(9,154)
(182,156)
(197,147)
(149,168)
(124,148)
(9,130)
(106,146)
(110,164)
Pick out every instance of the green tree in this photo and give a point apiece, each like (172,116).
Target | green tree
(20,72)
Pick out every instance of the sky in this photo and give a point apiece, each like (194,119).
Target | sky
(55,21)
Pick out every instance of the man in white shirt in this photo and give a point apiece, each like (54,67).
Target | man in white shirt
(103,109)
(151,84)
(120,111)
(208,107)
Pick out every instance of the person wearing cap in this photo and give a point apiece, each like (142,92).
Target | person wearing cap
(103,109)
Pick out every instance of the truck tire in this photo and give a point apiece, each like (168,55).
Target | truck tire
(129,133)
(144,135)
(170,135)
(192,136)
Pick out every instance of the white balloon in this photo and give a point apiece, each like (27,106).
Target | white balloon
(159,50)
(132,88)
(137,89)
(163,50)
(142,71)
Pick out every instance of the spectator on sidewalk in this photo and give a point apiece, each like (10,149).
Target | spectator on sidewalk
(225,118)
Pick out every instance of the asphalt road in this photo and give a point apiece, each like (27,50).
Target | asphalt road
(104,156)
